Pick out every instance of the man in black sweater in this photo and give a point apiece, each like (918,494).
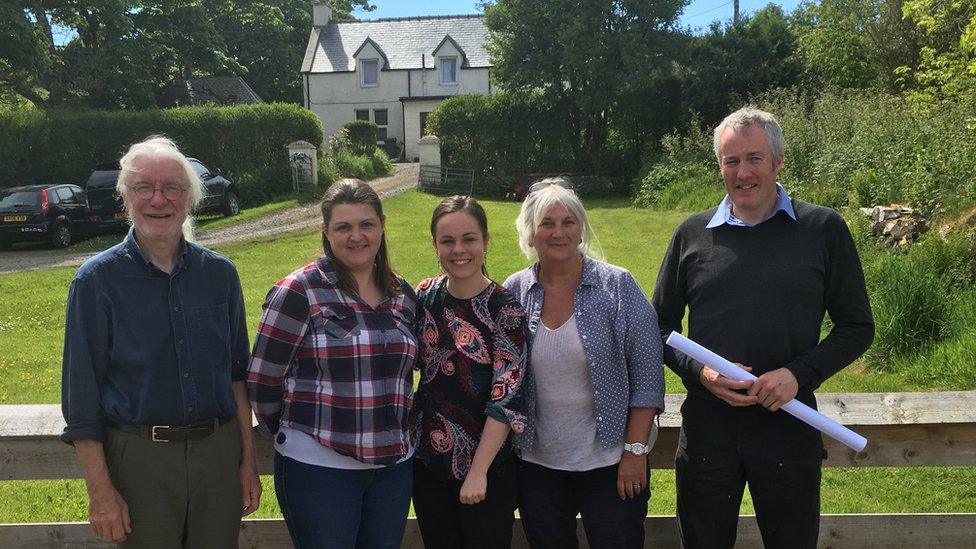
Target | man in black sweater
(757,274)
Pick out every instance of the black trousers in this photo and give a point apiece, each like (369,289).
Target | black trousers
(549,500)
(446,523)
(773,453)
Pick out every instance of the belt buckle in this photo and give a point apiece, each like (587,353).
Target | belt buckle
(152,432)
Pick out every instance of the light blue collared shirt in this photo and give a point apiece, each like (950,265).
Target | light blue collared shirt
(724,214)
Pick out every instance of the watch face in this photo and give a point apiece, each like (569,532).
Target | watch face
(638,448)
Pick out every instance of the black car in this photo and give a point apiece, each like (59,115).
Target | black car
(106,204)
(55,213)
(219,194)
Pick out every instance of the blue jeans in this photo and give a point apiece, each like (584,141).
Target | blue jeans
(326,508)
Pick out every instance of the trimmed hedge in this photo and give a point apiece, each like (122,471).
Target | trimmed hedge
(60,145)
(504,133)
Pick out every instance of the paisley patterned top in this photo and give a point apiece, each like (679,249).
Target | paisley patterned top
(472,358)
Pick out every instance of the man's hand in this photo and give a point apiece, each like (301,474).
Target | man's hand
(727,389)
(631,475)
(775,388)
(108,514)
(250,487)
(474,488)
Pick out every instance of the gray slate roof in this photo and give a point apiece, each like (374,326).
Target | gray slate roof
(220,90)
(403,41)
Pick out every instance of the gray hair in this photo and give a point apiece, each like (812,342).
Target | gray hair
(162,147)
(537,205)
(744,119)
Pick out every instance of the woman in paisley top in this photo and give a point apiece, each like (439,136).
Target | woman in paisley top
(472,358)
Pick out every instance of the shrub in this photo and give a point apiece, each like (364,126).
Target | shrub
(921,299)
(912,310)
(264,184)
(862,149)
(366,167)
(684,176)
(506,132)
(362,136)
(59,145)
(670,186)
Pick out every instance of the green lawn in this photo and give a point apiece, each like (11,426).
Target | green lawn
(32,317)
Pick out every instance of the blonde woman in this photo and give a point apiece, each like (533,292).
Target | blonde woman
(596,382)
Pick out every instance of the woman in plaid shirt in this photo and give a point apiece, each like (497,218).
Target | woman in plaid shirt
(331,378)
(472,359)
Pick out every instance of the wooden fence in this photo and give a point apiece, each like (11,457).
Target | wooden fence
(903,429)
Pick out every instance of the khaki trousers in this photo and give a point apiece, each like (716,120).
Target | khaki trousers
(182,493)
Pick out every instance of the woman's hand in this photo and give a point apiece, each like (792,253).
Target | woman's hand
(631,475)
(474,488)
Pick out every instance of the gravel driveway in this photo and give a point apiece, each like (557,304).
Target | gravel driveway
(404,177)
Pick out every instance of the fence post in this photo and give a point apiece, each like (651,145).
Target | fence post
(303,159)
(430,150)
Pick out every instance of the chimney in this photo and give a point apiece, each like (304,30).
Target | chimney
(321,13)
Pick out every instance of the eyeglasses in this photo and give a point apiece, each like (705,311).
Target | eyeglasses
(539,185)
(147,192)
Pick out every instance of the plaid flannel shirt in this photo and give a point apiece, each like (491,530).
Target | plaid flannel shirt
(329,365)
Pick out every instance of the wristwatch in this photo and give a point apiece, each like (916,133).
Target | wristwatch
(637,448)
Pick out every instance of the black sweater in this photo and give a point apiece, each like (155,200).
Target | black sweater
(757,295)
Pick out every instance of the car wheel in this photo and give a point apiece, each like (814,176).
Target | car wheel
(232,206)
(61,236)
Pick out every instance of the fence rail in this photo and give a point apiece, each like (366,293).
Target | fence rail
(903,429)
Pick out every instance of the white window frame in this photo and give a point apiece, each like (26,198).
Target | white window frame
(440,70)
(385,127)
(362,73)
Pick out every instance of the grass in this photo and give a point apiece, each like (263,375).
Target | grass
(31,325)
(878,490)
(217,221)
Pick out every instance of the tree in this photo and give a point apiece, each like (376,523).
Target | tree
(732,63)
(122,51)
(24,58)
(584,55)
(855,43)
(268,39)
(948,56)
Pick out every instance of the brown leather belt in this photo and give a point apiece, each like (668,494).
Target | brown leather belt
(169,433)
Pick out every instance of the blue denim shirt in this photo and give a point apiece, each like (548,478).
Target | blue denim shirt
(145,347)
(619,331)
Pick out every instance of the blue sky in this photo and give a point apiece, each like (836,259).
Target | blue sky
(698,14)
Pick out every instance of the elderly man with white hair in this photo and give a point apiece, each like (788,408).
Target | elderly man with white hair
(155,353)
(757,274)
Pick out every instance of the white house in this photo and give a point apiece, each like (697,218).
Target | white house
(391,71)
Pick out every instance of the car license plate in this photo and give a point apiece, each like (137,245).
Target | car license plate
(120,215)
(14,218)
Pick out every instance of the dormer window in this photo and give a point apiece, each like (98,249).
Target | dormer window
(448,70)
(370,70)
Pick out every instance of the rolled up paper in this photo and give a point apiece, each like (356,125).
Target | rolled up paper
(794,407)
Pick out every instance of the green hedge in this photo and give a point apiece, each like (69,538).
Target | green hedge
(504,133)
(63,145)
